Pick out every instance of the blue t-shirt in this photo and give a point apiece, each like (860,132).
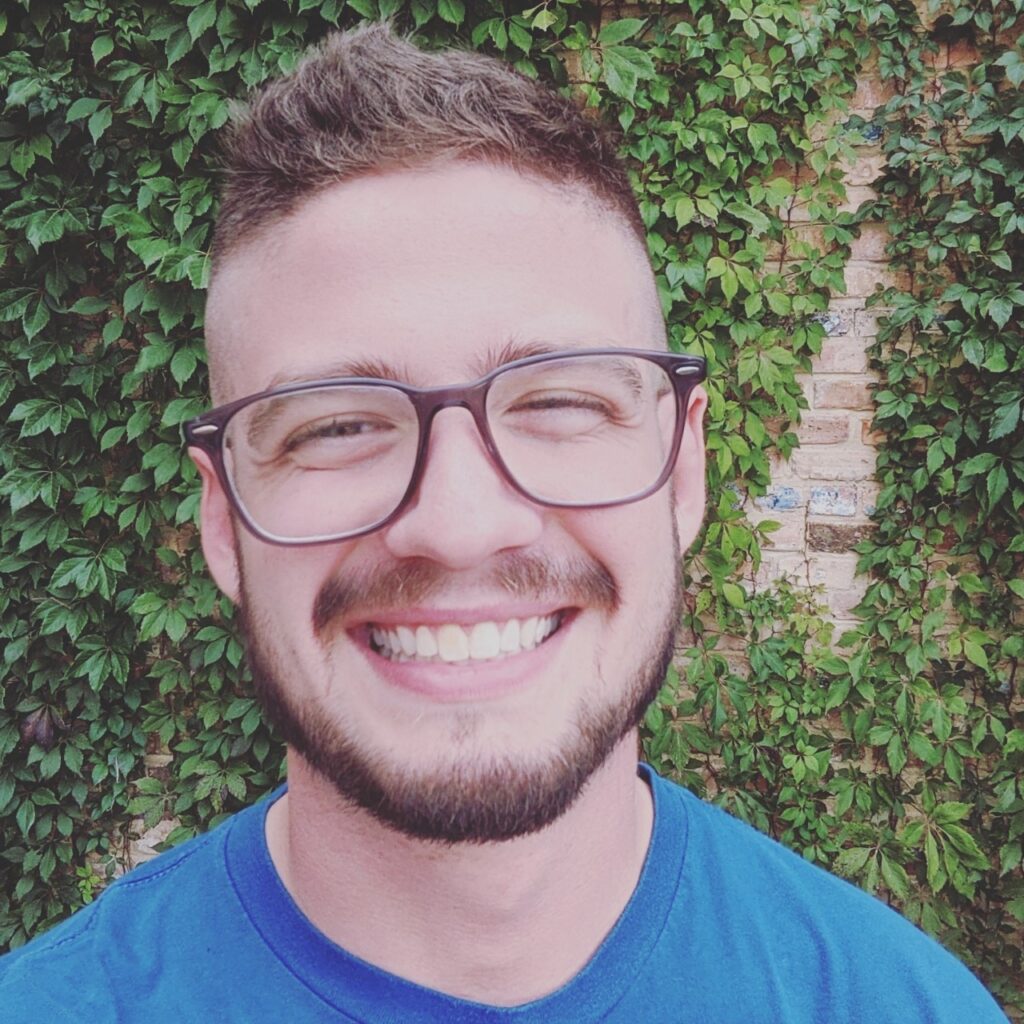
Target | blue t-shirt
(725,927)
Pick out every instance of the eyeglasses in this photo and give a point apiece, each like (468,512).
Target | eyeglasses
(330,460)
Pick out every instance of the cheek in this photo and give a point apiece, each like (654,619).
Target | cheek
(280,585)
(636,544)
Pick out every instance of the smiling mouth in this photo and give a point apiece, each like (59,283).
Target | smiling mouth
(452,643)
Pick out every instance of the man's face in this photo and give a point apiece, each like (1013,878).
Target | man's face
(429,277)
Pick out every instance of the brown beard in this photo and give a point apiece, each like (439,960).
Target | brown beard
(486,802)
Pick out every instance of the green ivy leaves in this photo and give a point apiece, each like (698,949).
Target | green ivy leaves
(861,751)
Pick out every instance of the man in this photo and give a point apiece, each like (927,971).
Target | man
(447,482)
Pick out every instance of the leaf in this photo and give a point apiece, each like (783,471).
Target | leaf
(183,365)
(25,816)
(623,67)
(33,322)
(745,212)
(730,287)
(684,212)
(102,46)
(452,11)
(975,654)
(950,811)
(895,877)
(1000,309)
(935,873)
(201,19)
(44,226)
(100,122)
(619,31)
(997,484)
(851,861)
(82,108)
(762,135)
(966,846)
(1004,420)
(177,46)
(896,754)
(181,150)
(89,305)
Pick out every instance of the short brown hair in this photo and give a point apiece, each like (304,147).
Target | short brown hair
(366,101)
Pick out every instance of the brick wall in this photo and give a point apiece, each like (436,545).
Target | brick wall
(823,496)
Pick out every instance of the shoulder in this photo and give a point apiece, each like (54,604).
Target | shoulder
(806,926)
(70,972)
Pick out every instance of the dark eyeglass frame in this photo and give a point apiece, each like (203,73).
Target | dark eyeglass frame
(207,432)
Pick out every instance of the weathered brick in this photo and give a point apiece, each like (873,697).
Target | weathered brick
(792,532)
(866,321)
(870,246)
(780,498)
(842,393)
(837,322)
(836,537)
(867,495)
(821,428)
(872,91)
(833,571)
(842,355)
(960,53)
(855,195)
(875,438)
(833,463)
(865,168)
(864,279)
(776,565)
(145,847)
(833,501)
(842,602)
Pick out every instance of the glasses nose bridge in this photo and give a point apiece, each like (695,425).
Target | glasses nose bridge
(459,396)
(471,397)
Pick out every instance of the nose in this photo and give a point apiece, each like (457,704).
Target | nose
(464,510)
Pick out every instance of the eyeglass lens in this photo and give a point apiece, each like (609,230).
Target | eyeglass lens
(338,459)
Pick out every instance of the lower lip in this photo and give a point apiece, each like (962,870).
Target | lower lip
(470,680)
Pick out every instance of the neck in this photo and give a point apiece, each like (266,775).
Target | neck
(502,907)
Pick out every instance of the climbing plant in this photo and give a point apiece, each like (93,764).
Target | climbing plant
(890,754)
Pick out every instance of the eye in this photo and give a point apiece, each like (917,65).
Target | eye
(560,402)
(337,428)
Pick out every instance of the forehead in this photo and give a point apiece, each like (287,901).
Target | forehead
(425,272)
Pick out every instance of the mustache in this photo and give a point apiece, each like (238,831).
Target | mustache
(574,581)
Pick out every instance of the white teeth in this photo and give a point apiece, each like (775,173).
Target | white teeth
(407,638)
(509,642)
(484,641)
(451,643)
(528,632)
(426,643)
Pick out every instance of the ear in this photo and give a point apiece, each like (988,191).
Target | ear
(688,476)
(217,531)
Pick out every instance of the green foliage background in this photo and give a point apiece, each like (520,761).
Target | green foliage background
(891,754)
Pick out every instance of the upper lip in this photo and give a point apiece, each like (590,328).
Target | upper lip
(433,616)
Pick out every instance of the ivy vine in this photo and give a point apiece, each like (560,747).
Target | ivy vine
(891,754)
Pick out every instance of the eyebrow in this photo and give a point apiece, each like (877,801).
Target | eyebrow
(379,369)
